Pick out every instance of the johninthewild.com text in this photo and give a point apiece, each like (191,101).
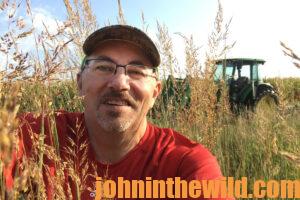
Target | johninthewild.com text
(180,189)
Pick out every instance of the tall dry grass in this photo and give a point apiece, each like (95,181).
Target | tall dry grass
(290,53)
(31,75)
(256,145)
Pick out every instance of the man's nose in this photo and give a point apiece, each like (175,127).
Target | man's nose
(119,81)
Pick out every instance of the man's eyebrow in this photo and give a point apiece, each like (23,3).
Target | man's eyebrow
(104,58)
(136,62)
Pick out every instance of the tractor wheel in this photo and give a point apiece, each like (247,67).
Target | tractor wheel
(266,100)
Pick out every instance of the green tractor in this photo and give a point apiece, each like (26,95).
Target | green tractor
(176,93)
(246,88)
(175,96)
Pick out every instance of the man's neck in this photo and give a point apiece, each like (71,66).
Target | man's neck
(109,148)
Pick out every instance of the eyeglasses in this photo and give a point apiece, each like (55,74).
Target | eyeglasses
(105,68)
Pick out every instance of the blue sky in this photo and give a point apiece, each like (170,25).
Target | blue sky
(177,14)
(257,25)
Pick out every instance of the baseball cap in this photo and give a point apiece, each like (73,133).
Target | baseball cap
(126,33)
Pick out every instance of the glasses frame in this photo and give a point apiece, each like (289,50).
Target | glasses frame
(123,66)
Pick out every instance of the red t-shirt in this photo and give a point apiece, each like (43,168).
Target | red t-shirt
(161,153)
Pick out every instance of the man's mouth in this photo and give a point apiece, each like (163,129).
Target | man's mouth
(116,99)
(115,102)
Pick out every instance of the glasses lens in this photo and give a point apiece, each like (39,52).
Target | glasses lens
(105,68)
(102,67)
(138,71)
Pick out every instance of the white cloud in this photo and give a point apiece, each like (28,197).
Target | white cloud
(2,61)
(42,17)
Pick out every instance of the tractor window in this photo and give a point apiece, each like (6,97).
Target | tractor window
(245,71)
(229,71)
(255,73)
(218,73)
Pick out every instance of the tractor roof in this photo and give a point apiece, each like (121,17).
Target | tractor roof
(241,61)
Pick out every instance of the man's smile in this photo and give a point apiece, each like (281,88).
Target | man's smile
(117,103)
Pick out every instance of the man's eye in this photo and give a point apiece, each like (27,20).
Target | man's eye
(135,72)
(104,68)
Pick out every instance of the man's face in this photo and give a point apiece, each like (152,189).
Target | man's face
(118,103)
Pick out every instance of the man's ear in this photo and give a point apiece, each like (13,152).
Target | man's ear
(79,83)
(156,91)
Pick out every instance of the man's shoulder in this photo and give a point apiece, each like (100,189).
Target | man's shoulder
(60,122)
(196,161)
(177,140)
(36,119)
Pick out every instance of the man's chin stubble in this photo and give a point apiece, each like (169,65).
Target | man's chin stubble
(112,125)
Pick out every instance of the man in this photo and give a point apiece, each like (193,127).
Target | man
(119,83)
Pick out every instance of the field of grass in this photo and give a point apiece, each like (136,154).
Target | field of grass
(252,145)
(263,145)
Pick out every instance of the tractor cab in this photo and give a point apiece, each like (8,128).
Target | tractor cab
(241,75)
(239,70)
